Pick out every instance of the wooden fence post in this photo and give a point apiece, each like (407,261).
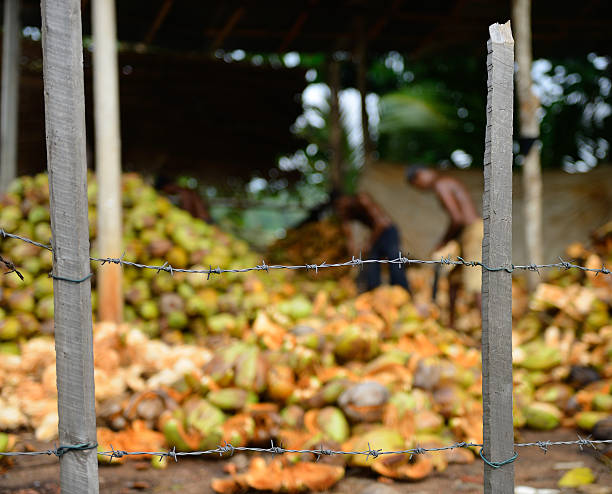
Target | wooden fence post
(66,161)
(498,431)
(108,158)
(9,122)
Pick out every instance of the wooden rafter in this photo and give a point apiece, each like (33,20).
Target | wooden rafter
(382,21)
(297,27)
(434,34)
(158,21)
(227,28)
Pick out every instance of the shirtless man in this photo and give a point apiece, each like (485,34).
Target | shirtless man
(384,237)
(465,227)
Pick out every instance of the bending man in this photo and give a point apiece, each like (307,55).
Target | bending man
(384,237)
(465,227)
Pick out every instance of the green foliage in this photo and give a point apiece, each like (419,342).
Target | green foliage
(576,98)
(441,107)
(414,108)
(575,94)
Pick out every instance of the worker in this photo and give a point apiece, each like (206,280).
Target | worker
(183,197)
(465,228)
(384,242)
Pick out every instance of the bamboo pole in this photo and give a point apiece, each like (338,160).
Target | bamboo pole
(108,157)
(529,106)
(9,122)
(498,430)
(62,46)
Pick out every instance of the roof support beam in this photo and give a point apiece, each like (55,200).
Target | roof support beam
(383,20)
(296,28)
(335,126)
(436,32)
(158,21)
(227,29)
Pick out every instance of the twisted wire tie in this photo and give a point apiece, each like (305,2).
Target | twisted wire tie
(497,464)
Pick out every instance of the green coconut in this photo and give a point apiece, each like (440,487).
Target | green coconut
(298,307)
(231,398)
(577,477)
(9,328)
(378,438)
(602,402)
(587,420)
(539,356)
(542,416)
(333,423)
(356,343)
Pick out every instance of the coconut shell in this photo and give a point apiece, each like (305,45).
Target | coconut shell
(364,402)
(603,429)
(239,430)
(281,382)
(395,467)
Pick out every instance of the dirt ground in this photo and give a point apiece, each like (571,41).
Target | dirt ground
(533,468)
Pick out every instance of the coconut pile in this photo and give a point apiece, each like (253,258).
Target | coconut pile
(374,371)
(178,307)
(250,358)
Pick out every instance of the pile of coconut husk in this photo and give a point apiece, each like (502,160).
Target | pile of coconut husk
(313,242)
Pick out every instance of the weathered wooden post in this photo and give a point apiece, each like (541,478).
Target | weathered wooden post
(335,126)
(497,251)
(9,122)
(108,157)
(362,72)
(66,161)
(529,124)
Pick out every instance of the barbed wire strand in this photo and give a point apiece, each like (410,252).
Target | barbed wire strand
(228,449)
(353,262)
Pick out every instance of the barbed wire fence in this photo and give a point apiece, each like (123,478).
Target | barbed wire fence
(493,446)
(228,449)
(358,262)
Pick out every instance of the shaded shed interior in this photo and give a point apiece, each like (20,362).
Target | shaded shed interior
(559,28)
(191,114)
(182,109)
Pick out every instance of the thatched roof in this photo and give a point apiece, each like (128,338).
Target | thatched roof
(559,28)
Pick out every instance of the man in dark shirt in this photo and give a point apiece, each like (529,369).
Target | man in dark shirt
(384,240)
